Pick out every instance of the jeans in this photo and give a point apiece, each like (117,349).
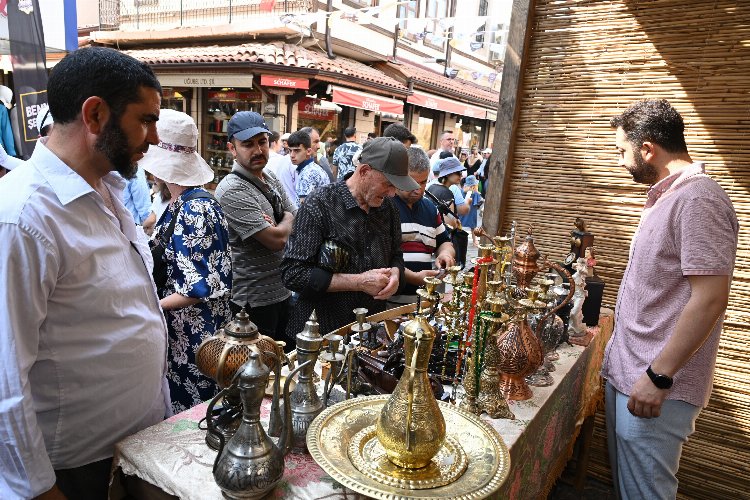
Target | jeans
(644,453)
(88,482)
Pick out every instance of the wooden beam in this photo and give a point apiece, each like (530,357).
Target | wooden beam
(516,54)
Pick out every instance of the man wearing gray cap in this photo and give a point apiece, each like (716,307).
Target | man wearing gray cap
(260,217)
(345,249)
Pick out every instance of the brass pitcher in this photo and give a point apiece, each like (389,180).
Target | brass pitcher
(411,426)
(250,464)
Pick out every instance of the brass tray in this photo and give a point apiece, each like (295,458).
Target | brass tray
(369,457)
(331,433)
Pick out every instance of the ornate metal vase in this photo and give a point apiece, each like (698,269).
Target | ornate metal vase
(250,464)
(520,354)
(411,427)
(525,265)
(304,400)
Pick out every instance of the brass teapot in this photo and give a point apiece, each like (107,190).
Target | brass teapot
(250,465)
(411,427)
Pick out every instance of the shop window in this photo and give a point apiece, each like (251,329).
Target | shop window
(423,131)
(499,39)
(177,99)
(407,10)
(221,104)
(483,9)
(436,10)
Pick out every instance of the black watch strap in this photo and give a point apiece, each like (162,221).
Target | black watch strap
(660,381)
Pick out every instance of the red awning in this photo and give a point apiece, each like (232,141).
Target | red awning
(284,81)
(442,104)
(369,102)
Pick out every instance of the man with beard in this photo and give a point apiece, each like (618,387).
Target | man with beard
(345,249)
(422,231)
(83,342)
(660,360)
(260,216)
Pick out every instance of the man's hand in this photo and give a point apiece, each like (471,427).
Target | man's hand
(646,399)
(444,260)
(390,287)
(269,219)
(417,278)
(372,282)
(52,494)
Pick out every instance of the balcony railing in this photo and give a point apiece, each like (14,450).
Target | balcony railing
(128,15)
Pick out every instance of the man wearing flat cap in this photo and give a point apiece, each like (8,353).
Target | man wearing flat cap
(345,249)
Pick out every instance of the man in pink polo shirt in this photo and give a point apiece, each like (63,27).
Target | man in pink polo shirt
(659,363)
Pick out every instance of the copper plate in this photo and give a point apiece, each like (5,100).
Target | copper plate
(332,432)
(369,457)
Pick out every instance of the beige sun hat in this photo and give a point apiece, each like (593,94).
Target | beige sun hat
(175,159)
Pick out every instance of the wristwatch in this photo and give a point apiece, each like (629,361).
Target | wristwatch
(660,381)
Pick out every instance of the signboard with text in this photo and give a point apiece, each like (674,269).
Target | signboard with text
(426,100)
(285,82)
(204,80)
(368,102)
(309,109)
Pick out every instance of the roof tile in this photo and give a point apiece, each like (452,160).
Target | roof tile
(270,53)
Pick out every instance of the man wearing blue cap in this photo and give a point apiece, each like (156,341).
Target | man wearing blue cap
(260,216)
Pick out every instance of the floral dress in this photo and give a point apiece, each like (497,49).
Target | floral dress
(199,266)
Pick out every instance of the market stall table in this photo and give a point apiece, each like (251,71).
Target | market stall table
(171,458)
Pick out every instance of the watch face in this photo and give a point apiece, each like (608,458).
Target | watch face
(660,381)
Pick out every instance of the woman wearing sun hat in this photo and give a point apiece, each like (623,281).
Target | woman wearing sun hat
(194,235)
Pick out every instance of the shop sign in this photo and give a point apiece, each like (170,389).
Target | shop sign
(269,108)
(205,80)
(426,100)
(233,95)
(369,102)
(284,81)
(308,109)
(491,115)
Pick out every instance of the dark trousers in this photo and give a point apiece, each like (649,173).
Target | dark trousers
(88,482)
(460,240)
(271,320)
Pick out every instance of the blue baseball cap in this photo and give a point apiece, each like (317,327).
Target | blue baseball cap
(246,124)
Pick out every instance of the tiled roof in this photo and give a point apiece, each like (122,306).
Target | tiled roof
(451,86)
(274,53)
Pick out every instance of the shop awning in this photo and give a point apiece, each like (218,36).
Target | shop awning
(442,104)
(369,102)
(492,115)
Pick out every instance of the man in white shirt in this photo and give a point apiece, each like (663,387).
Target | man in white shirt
(83,342)
(281,166)
(447,142)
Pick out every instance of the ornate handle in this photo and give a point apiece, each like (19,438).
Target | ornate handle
(552,311)
(210,424)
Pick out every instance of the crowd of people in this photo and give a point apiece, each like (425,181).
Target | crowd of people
(102,322)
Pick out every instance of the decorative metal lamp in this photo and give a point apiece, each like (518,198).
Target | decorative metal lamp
(221,355)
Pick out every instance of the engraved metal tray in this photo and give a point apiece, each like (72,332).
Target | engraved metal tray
(331,433)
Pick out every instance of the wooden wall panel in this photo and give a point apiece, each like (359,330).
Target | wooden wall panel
(588,60)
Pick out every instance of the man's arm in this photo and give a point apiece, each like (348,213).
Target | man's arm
(141,196)
(28,271)
(709,296)
(275,237)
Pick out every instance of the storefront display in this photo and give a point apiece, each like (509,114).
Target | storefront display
(220,105)
(177,99)
(320,115)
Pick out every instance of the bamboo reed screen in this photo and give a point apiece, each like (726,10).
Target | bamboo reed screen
(587,61)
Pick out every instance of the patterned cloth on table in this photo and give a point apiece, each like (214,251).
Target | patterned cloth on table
(199,266)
